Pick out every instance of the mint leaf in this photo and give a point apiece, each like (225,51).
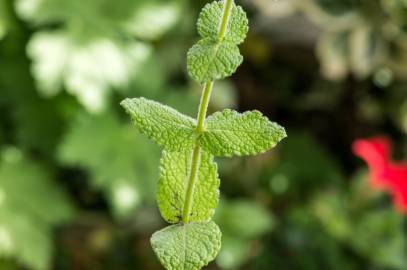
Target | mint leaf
(210,17)
(166,126)
(230,133)
(172,186)
(187,247)
(209,60)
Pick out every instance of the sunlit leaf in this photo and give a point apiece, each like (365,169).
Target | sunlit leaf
(90,62)
(163,124)
(88,70)
(230,133)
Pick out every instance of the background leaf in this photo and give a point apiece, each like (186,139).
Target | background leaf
(26,215)
(121,169)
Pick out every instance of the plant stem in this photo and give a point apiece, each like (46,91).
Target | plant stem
(203,108)
(193,176)
(196,154)
(227,10)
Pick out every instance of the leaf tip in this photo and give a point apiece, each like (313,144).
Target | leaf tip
(125,103)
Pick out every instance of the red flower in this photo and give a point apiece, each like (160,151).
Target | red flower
(384,173)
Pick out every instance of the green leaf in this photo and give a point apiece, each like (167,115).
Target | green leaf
(104,17)
(120,161)
(209,60)
(211,16)
(258,220)
(24,183)
(166,126)
(239,234)
(187,247)
(153,18)
(93,61)
(230,133)
(30,206)
(235,252)
(172,186)
(26,239)
(89,69)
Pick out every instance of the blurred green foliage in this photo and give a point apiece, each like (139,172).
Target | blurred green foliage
(30,204)
(94,46)
(121,168)
(77,181)
(240,234)
(358,37)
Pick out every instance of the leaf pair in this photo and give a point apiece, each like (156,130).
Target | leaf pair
(215,57)
(226,134)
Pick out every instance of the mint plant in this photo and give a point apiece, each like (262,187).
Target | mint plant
(188,188)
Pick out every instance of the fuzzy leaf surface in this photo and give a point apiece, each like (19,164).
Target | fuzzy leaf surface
(229,133)
(172,186)
(210,17)
(209,60)
(166,126)
(187,247)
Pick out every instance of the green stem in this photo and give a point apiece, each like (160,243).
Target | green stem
(227,10)
(193,176)
(203,108)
